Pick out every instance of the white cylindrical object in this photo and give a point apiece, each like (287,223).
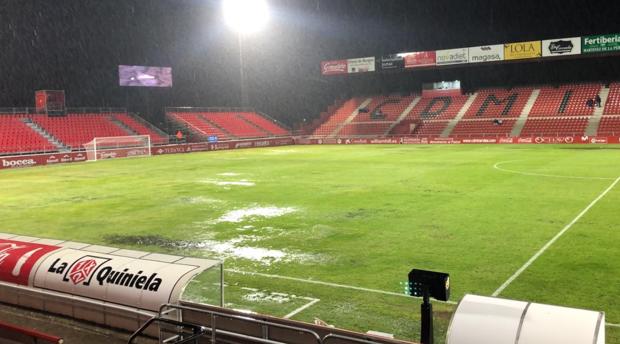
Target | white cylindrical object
(488,320)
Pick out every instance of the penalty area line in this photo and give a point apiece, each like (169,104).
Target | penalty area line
(553,240)
(302,308)
(328,284)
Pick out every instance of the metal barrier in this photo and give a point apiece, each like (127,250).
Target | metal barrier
(228,326)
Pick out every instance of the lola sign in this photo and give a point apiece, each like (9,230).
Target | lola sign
(129,278)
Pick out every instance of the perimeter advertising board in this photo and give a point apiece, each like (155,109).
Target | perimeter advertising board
(486,53)
(522,50)
(601,43)
(17,258)
(392,62)
(139,283)
(561,47)
(361,65)
(132,280)
(419,59)
(452,56)
(335,67)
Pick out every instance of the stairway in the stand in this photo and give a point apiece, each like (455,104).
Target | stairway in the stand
(403,115)
(448,130)
(49,137)
(595,120)
(349,119)
(520,122)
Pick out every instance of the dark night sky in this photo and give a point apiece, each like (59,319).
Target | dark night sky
(76,45)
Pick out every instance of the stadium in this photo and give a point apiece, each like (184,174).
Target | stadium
(276,171)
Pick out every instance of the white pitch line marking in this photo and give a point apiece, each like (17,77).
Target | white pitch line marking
(497,167)
(554,239)
(612,325)
(329,284)
(302,308)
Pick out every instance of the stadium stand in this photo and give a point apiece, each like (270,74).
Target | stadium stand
(337,116)
(16,136)
(430,128)
(555,126)
(547,110)
(270,126)
(565,100)
(33,133)
(495,103)
(610,126)
(140,128)
(74,130)
(437,108)
(199,125)
(233,124)
(612,107)
(482,128)
(227,124)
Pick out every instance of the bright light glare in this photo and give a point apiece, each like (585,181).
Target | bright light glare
(246,16)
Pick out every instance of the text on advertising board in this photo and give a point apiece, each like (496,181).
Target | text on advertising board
(452,56)
(486,53)
(139,283)
(334,67)
(601,43)
(522,50)
(17,258)
(561,47)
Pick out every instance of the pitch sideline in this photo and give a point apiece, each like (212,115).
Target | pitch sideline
(553,240)
(329,284)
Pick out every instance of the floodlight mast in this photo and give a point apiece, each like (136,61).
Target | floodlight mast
(245,17)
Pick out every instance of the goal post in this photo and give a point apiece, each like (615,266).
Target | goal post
(118,147)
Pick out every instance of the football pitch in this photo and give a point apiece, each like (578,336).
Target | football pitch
(331,232)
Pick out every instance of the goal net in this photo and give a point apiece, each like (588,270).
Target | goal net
(118,147)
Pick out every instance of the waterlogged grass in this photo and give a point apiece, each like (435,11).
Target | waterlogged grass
(352,215)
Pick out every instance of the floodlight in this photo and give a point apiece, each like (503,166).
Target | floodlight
(246,16)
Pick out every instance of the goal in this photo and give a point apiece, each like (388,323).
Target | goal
(118,147)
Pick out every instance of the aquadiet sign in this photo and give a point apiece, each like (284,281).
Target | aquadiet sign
(452,56)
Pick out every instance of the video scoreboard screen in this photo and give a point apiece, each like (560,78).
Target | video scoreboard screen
(145,76)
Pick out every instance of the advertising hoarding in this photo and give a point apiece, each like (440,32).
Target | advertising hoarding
(486,53)
(361,65)
(452,56)
(522,50)
(601,43)
(561,47)
(334,67)
(419,59)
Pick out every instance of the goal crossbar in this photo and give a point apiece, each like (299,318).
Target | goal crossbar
(118,147)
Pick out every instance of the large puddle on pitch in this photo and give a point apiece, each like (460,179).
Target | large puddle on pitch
(240,215)
(242,182)
(241,247)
